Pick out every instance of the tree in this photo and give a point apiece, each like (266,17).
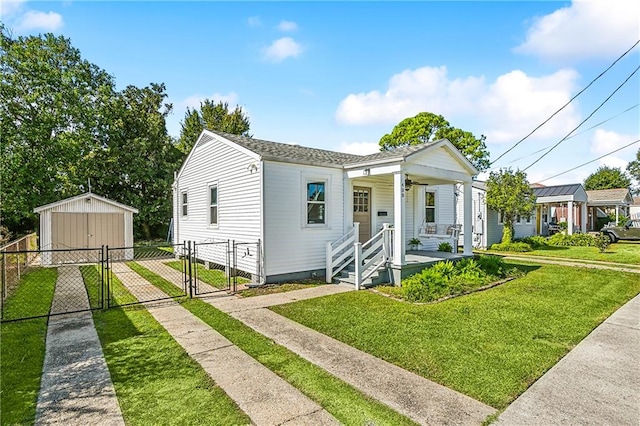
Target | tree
(607,178)
(427,127)
(51,107)
(510,194)
(633,168)
(212,116)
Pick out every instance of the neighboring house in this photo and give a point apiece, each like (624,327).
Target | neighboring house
(604,203)
(560,203)
(634,209)
(295,200)
(487,224)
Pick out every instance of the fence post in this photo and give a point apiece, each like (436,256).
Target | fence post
(190,271)
(3,289)
(102,283)
(233,268)
(358,265)
(259,261)
(228,265)
(107,275)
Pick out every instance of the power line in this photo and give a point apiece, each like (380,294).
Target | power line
(574,135)
(565,105)
(583,121)
(589,162)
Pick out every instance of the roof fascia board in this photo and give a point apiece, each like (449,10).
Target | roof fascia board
(438,173)
(380,170)
(82,196)
(445,143)
(303,163)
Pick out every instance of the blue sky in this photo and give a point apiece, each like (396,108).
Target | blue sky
(339,76)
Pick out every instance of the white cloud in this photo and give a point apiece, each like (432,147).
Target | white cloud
(605,141)
(359,148)
(194,101)
(254,21)
(9,8)
(506,109)
(37,20)
(281,49)
(585,29)
(287,26)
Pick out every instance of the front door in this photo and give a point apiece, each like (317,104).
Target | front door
(362,211)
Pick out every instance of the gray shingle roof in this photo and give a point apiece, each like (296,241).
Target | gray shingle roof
(551,191)
(616,195)
(314,156)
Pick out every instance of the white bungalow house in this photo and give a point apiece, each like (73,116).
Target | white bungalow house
(315,211)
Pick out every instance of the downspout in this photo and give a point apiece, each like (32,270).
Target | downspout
(176,219)
(263,246)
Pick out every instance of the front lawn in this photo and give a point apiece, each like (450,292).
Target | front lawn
(490,345)
(23,346)
(627,252)
(277,288)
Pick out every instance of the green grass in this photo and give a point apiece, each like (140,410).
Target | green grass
(162,284)
(626,252)
(490,345)
(93,284)
(214,277)
(23,347)
(155,380)
(344,402)
(276,288)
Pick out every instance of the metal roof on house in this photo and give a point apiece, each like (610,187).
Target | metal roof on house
(301,154)
(557,190)
(615,196)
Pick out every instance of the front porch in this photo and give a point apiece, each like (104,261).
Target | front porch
(417,260)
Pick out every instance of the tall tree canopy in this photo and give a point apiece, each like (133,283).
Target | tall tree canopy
(427,127)
(633,168)
(509,193)
(607,178)
(212,116)
(62,123)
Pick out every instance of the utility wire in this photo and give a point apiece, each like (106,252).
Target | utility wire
(589,162)
(573,135)
(583,121)
(565,105)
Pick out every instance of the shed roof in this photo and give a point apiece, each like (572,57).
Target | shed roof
(614,196)
(86,195)
(557,190)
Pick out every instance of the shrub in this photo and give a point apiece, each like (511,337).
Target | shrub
(425,286)
(563,226)
(563,240)
(519,247)
(492,265)
(445,269)
(559,240)
(583,240)
(602,242)
(535,241)
(445,247)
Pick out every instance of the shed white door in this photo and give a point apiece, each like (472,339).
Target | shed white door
(87,230)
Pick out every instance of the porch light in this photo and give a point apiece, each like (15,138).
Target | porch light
(366,172)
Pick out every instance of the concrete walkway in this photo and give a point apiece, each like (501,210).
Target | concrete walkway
(570,262)
(261,394)
(76,387)
(422,400)
(174,276)
(597,383)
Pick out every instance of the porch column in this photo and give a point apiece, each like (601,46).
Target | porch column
(583,218)
(617,214)
(399,244)
(570,218)
(468,217)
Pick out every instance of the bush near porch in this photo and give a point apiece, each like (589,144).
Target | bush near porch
(445,279)
(490,345)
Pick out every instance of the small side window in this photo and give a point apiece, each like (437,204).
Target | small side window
(185,207)
(213,205)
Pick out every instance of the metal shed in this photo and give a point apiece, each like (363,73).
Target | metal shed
(85,221)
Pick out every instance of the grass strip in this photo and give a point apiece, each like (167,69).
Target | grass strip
(346,403)
(164,285)
(156,382)
(23,347)
(491,345)
(276,288)
(214,277)
(93,284)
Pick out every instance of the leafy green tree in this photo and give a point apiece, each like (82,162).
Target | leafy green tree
(212,116)
(509,193)
(51,107)
(633,168)
(427,127)
(607,178)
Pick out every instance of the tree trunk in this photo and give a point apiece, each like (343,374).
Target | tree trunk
(146,230)
(507,233)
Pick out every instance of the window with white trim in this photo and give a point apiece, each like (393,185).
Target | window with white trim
(213,204)
(316,203)
(185,207)
(430,206)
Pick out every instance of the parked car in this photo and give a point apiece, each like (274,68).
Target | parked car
(630,231)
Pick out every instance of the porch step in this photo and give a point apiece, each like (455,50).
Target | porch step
(349,278)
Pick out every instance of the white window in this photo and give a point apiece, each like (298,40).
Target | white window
(185,208)
(316,203)
(429,206)
(500,217)
(518,220)
(528,219)
(213,205)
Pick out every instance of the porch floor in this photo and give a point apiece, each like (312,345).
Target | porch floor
(430,257)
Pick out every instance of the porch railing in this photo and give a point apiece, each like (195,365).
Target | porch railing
(372,255)
(340,253)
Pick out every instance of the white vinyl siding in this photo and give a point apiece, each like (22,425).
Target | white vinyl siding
(238,197)
(291,245)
